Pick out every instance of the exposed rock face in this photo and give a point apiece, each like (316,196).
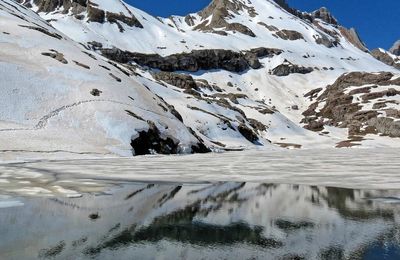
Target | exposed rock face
(47,6)
(121,18)
(323,40)
(56,55)
(352,36)
(94,14)
(396,48)
(288,68)
(218,11)
(324,14)
(249,134)
(340,107)
(386,58)
(178,80)
(262,52)
(195,60)
(289,35)
(151,142)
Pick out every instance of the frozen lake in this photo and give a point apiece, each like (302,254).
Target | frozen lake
(348,168)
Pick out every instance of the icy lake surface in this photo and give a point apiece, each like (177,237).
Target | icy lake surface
(349,168)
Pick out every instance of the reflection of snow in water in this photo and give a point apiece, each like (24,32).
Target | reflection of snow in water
(8,202)
(220,220)
(351,168)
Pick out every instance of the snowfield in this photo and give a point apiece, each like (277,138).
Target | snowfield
(61,98)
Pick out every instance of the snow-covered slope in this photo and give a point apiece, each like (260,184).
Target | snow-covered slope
(231,76)
(56,96)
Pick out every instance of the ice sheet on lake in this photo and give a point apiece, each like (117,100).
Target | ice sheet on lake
(350,168)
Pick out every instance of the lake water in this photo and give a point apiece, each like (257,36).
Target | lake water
(245,205)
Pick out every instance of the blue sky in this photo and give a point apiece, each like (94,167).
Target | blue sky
(377,21)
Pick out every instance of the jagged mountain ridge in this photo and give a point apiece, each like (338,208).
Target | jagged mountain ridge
(219,17)
(250,92)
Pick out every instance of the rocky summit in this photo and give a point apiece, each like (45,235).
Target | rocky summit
(395,50)
(103,78)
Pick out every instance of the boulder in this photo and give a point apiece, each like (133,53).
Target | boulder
(288,68)
(178,80)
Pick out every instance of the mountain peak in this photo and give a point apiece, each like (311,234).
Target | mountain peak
(218,12)
(113,12)
(222,7)
(396,48)
(325,15)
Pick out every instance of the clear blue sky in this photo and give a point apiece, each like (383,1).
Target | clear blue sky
(377,21)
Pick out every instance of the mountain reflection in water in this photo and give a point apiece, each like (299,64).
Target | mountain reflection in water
(223,220)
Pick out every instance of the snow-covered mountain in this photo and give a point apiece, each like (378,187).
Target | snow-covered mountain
(104,78)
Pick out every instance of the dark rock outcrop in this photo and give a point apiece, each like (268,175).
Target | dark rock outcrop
(252,60)
(288,68)
(79,7)
(47,6)
(339,108)
(395,48)
(150,142)
(219,11)
(95,92)
(324,14)
(289,35)
(262,52)
(327,42)
(200,147)
(238,27)
(95,15)
(391,57)
(195,60)
(56,55)
(248,133)
(121,18)
(178,80)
